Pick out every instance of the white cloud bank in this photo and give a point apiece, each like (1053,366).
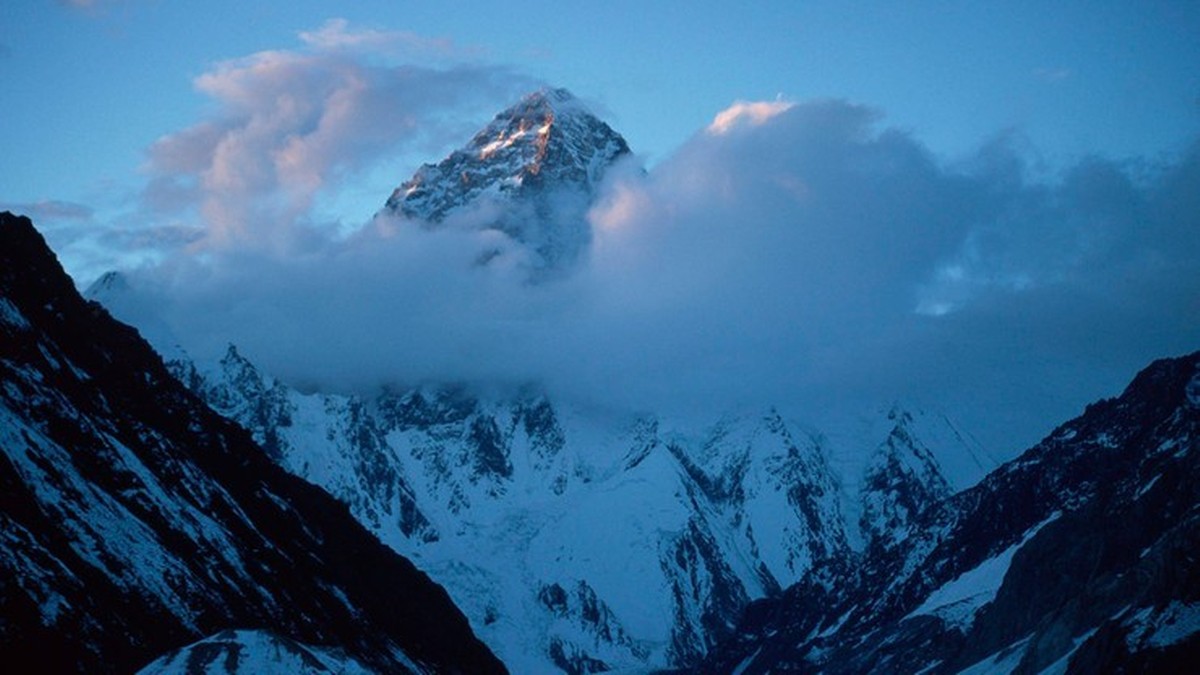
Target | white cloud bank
(797,254)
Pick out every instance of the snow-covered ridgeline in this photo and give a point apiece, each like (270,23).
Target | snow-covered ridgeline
(572,540)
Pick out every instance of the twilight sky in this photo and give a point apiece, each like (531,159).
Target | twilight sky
(991,207)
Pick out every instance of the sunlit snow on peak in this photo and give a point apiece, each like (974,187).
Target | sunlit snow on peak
(505,139)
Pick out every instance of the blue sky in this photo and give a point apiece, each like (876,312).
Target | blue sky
(93,84)
(993,207)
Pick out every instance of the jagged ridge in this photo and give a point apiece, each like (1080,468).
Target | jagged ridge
(1078,556)
(561,541)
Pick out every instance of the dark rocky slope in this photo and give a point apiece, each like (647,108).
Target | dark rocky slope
(1079,556)
(135,520)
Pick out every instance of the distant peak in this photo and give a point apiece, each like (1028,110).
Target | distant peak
(109,283)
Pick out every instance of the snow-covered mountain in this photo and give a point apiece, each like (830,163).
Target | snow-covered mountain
(578,542)
(135,520)
(531,173)
(1081,555)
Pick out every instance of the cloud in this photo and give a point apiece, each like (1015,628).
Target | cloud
(336,34)
(92,8)
(51,210)
(802,255)
(290,126)
(95,245)
(1052,75)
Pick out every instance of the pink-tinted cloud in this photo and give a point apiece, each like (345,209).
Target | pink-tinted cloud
(92,8)
(290,126)
(746,112)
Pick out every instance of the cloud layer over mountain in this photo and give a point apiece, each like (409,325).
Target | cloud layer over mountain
(805,255)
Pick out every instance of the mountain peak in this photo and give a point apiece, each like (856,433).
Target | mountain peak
(551,106)
(110,283)
(30,274)
(537,164)
(552,99)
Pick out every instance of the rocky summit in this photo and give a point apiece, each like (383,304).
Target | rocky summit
(531,173)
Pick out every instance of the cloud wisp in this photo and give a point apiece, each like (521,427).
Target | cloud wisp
(51,209)
(338,35)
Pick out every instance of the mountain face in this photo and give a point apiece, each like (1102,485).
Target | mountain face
(1078,556)
(531,173)
(573,542)
(578,544)
(581,542)
(136,521)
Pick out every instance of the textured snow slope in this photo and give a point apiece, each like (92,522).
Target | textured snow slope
(574,540)
(244,652)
